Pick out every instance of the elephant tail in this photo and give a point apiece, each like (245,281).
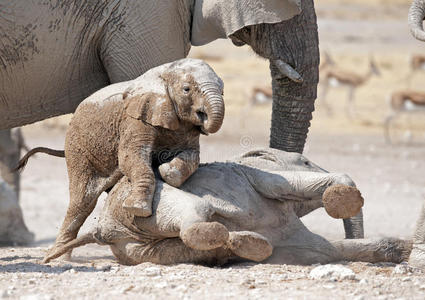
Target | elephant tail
(23,162)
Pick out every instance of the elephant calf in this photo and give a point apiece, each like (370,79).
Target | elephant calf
(126,128)
(249,208)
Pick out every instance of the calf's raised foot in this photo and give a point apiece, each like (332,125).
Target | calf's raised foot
(137,207)
(205,235)
(342,201)
(249,245)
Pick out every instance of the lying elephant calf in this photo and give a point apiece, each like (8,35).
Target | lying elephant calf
(125,128)
(249,208)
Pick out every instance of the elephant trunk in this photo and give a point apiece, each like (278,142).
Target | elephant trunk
(416,18)
(294,66)
(293,105)
(295,42)
(213,108)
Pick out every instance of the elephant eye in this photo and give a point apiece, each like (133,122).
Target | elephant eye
(186,89)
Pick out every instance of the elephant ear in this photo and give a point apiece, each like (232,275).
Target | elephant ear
(215,19)
(154,109)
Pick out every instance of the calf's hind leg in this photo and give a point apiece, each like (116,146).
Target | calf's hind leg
(248,245)
(166,251)
(192,219)
(85,186)
(199,234)
(374,250)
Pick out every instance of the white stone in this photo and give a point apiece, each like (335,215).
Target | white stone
(402,269)
(4,294)
(153,271)
(332,271)
(161,285)
(36,297)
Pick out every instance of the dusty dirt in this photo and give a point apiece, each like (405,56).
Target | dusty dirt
(390,177)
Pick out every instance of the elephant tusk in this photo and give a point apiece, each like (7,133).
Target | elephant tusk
(288,71)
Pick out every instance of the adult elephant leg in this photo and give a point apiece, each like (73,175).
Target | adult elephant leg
(12,227)
(416,18)
(417,257)
(10,145)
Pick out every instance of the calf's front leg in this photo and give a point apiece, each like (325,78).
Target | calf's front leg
(339,195)
(134,160)
(180,167)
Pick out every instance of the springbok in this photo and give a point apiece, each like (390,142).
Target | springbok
(335,76)
(261,95)
(325,61)
(417,63)
(405,101)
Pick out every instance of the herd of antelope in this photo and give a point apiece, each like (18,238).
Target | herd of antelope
(402,102)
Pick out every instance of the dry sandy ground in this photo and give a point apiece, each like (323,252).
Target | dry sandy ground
(391,179)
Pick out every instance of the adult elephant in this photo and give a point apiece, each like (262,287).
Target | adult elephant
(53,54)
(417,257)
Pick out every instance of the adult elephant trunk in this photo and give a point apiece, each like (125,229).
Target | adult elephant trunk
(295,48)
(416,18)
(213,108)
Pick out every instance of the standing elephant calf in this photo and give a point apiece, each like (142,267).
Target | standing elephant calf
(126,128)
(249,208)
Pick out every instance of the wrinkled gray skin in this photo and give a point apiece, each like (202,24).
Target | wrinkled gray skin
(11,143)
(12,226)
(55,54)
(417,258)
(249,208)
(416,18)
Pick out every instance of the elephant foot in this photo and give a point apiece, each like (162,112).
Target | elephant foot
(342,201)
(137,207)
(249,245)
(205,235)
(417,256)
(13,230)
(172,175)
(19,237)
(52,253)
